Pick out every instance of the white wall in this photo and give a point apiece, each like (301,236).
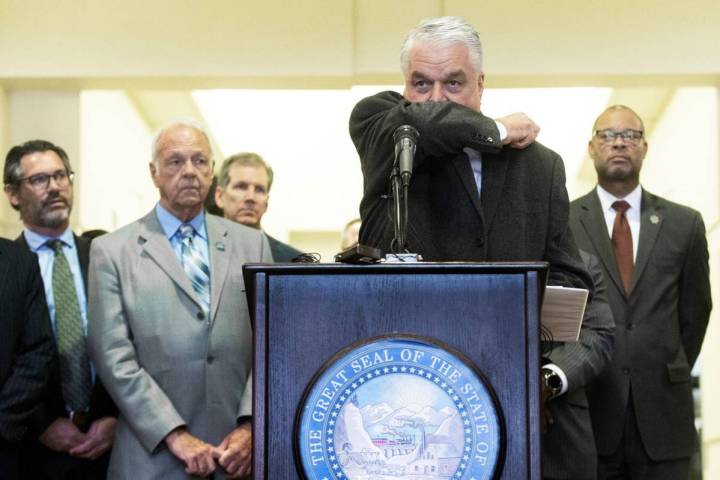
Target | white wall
(115,152)
(52,115)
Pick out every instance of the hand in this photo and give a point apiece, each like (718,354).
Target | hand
(236,451)
(546,417)
(62,435)
(521,130)
(98,439)
(198,456)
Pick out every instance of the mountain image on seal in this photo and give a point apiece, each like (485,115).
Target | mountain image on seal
(389,440)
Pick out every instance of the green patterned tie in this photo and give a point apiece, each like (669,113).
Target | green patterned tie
(74,363)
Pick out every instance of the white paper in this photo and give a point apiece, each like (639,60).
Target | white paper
(562,312)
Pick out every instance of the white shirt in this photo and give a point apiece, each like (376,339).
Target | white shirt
(634,199)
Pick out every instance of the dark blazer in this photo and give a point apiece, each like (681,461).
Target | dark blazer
(282,252)
(53,406)
(27,347)
(522,214)
(660,325)
(568,446)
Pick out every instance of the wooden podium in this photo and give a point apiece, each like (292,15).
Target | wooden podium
(304,314)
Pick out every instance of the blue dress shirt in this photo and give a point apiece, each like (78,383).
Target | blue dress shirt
(46,257)
(170,225)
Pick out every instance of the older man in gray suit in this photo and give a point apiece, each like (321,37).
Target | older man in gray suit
(170,334)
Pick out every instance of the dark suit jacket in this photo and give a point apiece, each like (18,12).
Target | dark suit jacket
(660,325)
(282,252)
(522,214)
(53,405)
(27,348)
(568,446)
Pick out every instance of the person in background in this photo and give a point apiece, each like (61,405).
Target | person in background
(171,334)
(27,352)
(78,418)
(654,258)
(243,192)
(350,234)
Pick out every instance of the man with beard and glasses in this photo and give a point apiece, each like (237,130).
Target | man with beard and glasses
(73,431)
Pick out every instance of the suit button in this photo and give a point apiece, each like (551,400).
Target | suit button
(210,359)
(630,326)
(480,241)
(626,370)
(200,316)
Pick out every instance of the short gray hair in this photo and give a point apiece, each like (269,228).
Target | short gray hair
(244,159)
(179,121)
(443,32)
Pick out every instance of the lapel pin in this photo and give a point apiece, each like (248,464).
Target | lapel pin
(654,219)
(220,246)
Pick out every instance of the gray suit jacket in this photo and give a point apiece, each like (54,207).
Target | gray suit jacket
(660,325)
(568,446)
(163,362)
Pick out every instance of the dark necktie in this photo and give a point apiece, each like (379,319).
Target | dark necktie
(74,363)
(195,267)
(622,243)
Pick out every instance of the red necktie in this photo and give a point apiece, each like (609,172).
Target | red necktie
(622,244)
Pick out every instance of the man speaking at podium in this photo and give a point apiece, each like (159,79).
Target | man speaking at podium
(470,198)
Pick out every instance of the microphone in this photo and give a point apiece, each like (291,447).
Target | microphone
(405,138)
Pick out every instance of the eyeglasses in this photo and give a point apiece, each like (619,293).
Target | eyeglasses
(629,135)
(41,181)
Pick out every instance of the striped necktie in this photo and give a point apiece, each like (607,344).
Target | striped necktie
(195,266)
(70,335)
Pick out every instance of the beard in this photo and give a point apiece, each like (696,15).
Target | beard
(45,215)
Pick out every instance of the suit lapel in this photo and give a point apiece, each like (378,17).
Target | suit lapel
(494,169)
(220,252)
(592,219)
(651,220)
(4,266)
(83,251)
(154,242)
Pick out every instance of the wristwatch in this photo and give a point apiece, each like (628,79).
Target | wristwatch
(552,381)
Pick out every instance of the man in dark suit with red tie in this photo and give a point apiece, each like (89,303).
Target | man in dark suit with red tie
(654,258)
(75,426)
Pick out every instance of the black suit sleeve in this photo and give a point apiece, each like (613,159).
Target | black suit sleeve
(566,267)
(445,129)
(582,361)
(33,348)
(695,301)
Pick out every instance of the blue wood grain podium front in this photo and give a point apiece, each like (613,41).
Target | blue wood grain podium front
(305,314)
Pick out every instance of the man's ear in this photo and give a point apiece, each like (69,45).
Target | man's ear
(218,196)
(153,172)
(12,196)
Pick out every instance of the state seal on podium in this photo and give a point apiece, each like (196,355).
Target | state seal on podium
(399,407)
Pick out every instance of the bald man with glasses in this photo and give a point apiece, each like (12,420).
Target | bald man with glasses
(654,259)
(74,430)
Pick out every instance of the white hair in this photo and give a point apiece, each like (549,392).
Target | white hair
(175,122)
(443,32)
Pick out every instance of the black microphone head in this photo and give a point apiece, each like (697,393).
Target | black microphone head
(405,131)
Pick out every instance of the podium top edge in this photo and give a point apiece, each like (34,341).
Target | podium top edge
(414,268)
